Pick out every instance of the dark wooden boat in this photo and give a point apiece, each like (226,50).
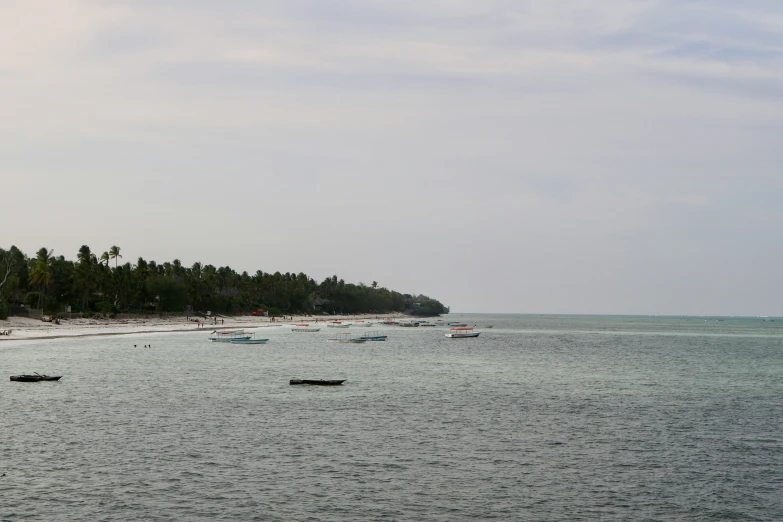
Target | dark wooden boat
(320,382)
(35,378)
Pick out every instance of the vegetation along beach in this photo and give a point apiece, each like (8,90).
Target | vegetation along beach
(100,295)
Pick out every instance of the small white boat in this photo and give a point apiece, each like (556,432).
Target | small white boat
(462,332)
(304,327)
(425,323)
(338,324)
(229,336)
(362,323)
(345,338)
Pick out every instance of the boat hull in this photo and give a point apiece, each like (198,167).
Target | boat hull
(462,335)
(318,382)
(34,378)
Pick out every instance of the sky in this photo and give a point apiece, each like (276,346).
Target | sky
(547,156)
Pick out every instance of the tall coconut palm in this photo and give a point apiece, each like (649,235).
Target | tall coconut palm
(114,253)
(105,258)
(84,273)
(84,255)
(40,272)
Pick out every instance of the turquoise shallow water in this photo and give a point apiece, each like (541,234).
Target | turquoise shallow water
(540,418)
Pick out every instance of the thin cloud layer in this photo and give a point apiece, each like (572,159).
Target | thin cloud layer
(502,156)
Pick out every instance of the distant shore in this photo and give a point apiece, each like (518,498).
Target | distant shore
(25,329)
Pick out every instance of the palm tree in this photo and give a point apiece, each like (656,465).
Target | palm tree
(114,253)
(84,273)
(84,255)
(40,272)
(105,258)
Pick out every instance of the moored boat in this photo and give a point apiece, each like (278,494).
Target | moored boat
(375,336)
(345,338)
(36,377)
(228,336)
(338,324)
(462,332)
(318,382)
(304,327)
(252,340)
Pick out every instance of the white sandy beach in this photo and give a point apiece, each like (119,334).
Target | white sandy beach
(23,328)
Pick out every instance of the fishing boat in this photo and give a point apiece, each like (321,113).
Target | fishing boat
(410,324)
(375,336)
(318,382)
(304,327)
(35,377)
(229,336)
(251,340)
(457,325)
(338,324)
(462,332)
(425,323)
(345,338)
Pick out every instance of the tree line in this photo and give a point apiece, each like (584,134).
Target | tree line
(100,284)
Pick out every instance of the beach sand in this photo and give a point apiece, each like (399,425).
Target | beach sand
(25,329)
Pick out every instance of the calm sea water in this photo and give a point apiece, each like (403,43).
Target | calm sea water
(540,418)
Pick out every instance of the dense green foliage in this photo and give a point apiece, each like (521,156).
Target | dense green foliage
(91,284)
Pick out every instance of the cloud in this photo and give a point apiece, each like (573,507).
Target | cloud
(534,129)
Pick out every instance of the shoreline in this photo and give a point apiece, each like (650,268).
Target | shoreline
(25,329)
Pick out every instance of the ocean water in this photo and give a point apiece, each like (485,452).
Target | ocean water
(540,418)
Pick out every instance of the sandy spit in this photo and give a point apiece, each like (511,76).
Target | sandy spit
(25,329)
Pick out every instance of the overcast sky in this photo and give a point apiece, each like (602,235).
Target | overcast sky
(547,156)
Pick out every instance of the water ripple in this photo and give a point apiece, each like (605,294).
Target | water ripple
(524,424)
